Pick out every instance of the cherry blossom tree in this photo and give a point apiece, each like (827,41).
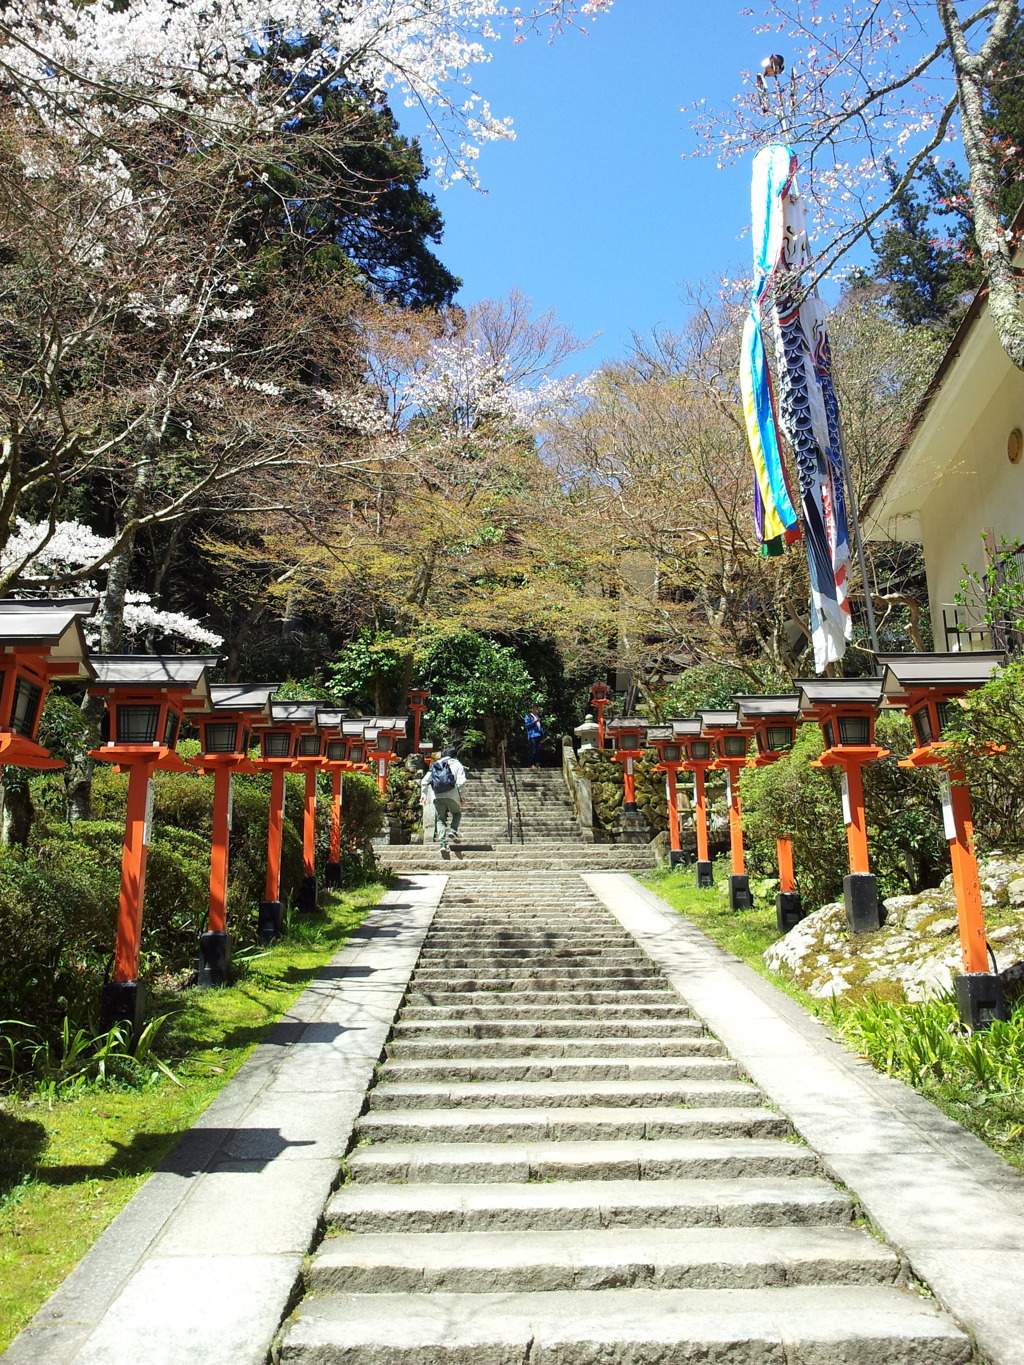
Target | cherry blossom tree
(873,83)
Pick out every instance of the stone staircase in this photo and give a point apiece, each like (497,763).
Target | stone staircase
(559,1166)
(546,836)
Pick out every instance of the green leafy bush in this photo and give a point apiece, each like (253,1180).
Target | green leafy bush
(990,749)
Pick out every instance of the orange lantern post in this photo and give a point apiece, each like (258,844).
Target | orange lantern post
(671,755)
(773,721)
(927,687)
(730,744)
(846,710)
(418,698)
(600,695)
(699,757)
(147,696)
(225,736)
(275,758)
(627,736)
(307,743)
(334,749)
(383,735)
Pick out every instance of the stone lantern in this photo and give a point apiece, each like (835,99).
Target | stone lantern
(846,709)
(773,721)
(39,641)
(699,758)
(928,687)
(226,734)
(671,756)
(147,696)
(588,734)
(730,745)
(627,736)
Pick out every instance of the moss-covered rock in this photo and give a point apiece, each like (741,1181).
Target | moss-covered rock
(916,954)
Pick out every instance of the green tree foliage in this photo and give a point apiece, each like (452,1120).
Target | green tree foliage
(989,747)
(475,684)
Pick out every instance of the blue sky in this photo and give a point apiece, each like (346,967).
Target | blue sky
(598,209)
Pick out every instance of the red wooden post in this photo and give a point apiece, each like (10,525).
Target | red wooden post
(772,721)
(309,825)
(787,876)
(336,790)
(701,803)
(673,809)
(275,835)
(219,852)
(973,943)
(134,853)
(723,730)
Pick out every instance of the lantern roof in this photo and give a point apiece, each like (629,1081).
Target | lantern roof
(689,727)
(296,712)
(627,723)
(52,626)
(783,706)
(389,723)
(184,673)
(331,717)
(718,720)
(817,692)
(906,672)
(660,734)
(354,728)
(242,696)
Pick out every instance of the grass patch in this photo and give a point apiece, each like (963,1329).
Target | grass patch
(69,1163)
(975,1079)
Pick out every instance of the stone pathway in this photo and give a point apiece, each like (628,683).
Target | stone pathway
(560,1165)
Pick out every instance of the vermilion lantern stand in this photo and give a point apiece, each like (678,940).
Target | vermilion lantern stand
(418,698)
(600,695)
(927,686)
(722,728)
(627,736)
(225,736)
(147,697)
(846,710)
(671,755)
(307,744)
(773,721)
(335,760)
(383,734)
(699,757)
(39,641)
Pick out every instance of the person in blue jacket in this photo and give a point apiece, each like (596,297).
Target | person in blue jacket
(534,733)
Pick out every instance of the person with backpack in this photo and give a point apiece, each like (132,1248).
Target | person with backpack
(445,781)
(534,727)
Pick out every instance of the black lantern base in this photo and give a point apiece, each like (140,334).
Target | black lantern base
(214,965)
(676,858)
(308,902)
(123,1002)
(739,892)
(269,922)
(864,913)
(705,873)
(789,910)
(332,875)
(980,999)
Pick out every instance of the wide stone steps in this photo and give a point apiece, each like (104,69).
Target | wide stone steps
(558,1165)
(813,1325)
(605,1258)
(572,1204)
(566,1124)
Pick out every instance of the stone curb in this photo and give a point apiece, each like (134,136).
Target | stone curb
(948,1203)
(202,1264)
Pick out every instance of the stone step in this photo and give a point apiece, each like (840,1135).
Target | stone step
(544,999)
(598,1259)
(412,1049)
(691,1092)
(526,979)
(609,1159)
(801,1325)
(436,1029)
(639,1069)
(520,1014)
(490,955)
(567,1124)
(454,863)
(569,1204)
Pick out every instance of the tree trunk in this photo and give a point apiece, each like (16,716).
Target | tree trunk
(16,808)
(971,70)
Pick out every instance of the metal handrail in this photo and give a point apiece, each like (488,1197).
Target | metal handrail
(508,798)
